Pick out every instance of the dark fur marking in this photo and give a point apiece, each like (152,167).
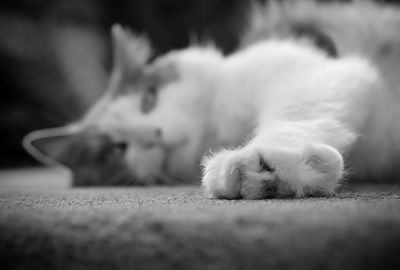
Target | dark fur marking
(321,40)
(264,166)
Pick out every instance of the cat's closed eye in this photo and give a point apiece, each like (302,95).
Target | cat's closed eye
(149,100)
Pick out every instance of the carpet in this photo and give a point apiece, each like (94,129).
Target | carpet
(44,224)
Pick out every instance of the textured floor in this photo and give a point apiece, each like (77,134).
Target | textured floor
(46,225)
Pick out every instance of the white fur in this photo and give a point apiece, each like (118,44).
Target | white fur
(278,101)
(363,28)
(302,107)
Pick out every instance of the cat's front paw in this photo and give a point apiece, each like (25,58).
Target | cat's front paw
(257,173)
(235,174)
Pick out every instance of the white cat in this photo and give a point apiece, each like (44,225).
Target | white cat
(277,116)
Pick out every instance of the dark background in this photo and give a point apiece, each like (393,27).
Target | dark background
(40,83)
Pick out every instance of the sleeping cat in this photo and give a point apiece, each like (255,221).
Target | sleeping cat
(284,112)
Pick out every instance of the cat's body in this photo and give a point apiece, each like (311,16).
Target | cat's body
(284,112)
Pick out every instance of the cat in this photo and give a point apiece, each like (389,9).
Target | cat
(163,143)
(284,110)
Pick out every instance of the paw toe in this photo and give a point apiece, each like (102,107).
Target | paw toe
(222,177)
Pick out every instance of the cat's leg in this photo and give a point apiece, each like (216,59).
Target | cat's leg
(258,171)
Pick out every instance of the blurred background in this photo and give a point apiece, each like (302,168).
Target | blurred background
(55,55)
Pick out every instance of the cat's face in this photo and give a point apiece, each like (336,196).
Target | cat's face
(141,132)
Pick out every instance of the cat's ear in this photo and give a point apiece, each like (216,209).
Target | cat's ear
(50,146)
(325,160)
(131,51)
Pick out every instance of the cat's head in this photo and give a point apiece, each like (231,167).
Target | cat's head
(146,129)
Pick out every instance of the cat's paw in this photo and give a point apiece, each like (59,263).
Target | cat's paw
(239,174)
(256,173)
